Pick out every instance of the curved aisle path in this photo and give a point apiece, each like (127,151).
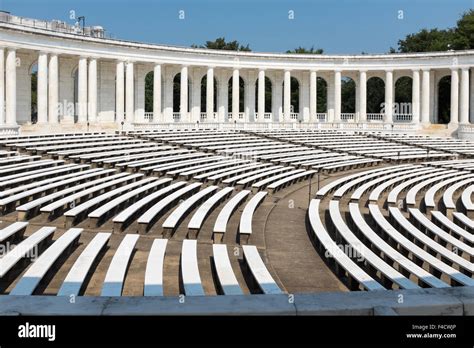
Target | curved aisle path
(289,249)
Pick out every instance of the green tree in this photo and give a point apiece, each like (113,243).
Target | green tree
(303,50)
(221,44)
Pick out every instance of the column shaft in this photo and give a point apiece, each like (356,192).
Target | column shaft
(389,96)
(287,96)
(210,94)
(129,93)
(92,110)
(464,97)
(425,98)
(416,96)
(454,96)
(313,96)
(183,105)
(82,90)
(261,95)
(362,96)
(337,96)
(2,86)
(42,88)
(10,90)
(157,93)
(120,92)
(235,94)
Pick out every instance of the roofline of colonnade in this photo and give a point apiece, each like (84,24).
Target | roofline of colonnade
(150,53)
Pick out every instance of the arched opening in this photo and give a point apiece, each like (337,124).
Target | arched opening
(268,95)
(403,99)
(241,95)
(177,93)
(444,100)
(34,93)
(149,92)
(375,95)
(204,95)
(348,95)
(322,95)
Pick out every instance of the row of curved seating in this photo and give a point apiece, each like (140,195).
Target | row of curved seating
(78,275)
(389,228)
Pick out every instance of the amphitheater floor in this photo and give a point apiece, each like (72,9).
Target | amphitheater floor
(289,249)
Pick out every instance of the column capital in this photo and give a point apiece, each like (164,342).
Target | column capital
(389,70)
(11,49)
(426,69)
(454,69)
(415,70)
(465,68)
(362,70)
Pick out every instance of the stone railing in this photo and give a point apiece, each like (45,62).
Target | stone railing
(350,126)
(9,130)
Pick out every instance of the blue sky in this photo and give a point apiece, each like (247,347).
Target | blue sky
(337,26)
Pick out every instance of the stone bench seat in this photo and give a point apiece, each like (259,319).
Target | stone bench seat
(220,225)
(205,209)
(228,283)
(389,274)
(148,218)
(259,271)
(125,217)
(33,276)
(108,209)
(191,279)
(115,276)
(154,269)
(38,189)
(75,279)
(75,195)
(24,249)
(245,225)
(177,215)
(289,180)
(15,230)
(80,211)
(390,253)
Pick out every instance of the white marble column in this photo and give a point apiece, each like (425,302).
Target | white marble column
(277,99)
(129,93)
(250,95)
(313,96)
(157,116)
(389,96)
(287,96)
(235,94)
(454,96)
(464,97)
(92,90)
(120,92)
(362,96)
(183,96)
(416,96)
(82,90)
(425,97)
(471,94)
(2,86)
(10,88)
(337,96)
(222,96)
(261,95)
(53,88)
(42,88)
(210,94)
